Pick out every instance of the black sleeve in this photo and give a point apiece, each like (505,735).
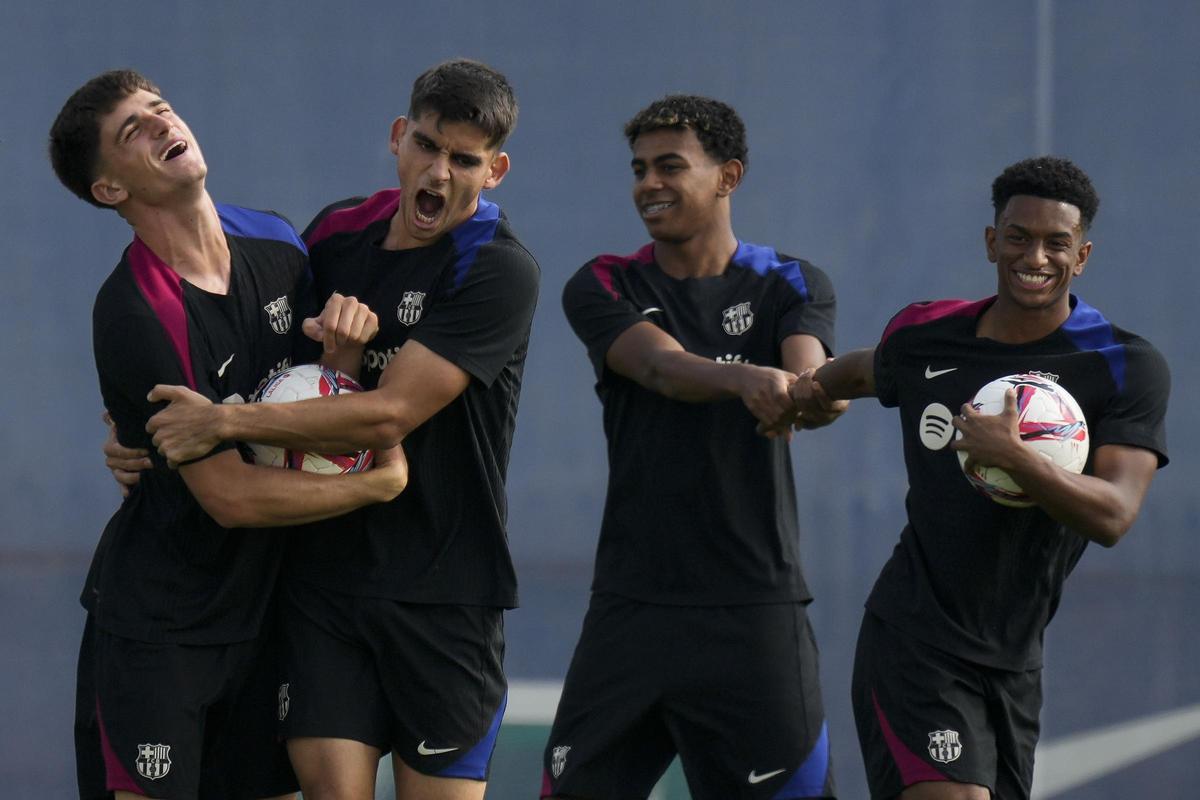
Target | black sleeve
(887,357)
(133,354)
(304,349)
(484,320)
(811,311)
(1136,414)
(597,314)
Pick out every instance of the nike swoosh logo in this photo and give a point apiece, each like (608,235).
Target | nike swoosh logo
(422,750)
(651,310)
(221,369)
(930,372)
(760,778)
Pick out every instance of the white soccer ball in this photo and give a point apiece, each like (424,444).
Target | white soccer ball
(1050,422)
(301,383)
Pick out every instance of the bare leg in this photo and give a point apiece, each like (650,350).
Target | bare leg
(412,785)
(945,790)
(334,769)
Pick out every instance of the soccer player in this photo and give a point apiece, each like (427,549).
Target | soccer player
(697,640)
(947,677)
(393,615)
(177,594)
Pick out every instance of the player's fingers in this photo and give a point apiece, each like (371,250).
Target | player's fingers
(313,329)
(125,478)
(1010,401)
(163,392)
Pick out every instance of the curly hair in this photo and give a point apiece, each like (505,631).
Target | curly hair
(75,134)
(1050,178)
(718,127)
(463,90)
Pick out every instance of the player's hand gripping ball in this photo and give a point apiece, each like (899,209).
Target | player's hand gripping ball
(1049,420)
(300,383)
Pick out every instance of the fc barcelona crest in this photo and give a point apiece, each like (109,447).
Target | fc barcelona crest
(736,320)
(558,760)
(280,314)
(153,761)
(409,310)
(944,746)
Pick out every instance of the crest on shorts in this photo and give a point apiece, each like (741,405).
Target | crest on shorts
(558,760)
(944,746)
(409,310)
(153,761)
(280,314)
(285,702)
(736,320)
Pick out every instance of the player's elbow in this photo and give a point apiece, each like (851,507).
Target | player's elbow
(1110,530)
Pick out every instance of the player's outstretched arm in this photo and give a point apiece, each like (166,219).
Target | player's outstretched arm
(804,354)
(1100,507)
(241,495)
(654,359)
(416,384)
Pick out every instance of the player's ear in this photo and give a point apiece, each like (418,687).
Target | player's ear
(399,126)
(989,241)
(497,171)
(108,192)
(731,175)
(1085,250)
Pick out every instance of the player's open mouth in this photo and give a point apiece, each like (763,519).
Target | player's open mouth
(429,205)
(651,209)
(176,149)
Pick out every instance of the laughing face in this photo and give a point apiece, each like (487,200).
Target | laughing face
(677,186)
(1038,247)
(147,153)
(442,166)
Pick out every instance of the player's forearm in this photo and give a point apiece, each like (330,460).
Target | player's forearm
(340,424)
(1101,507)
(247,496)
(689,378)
(849,376)
(344,359)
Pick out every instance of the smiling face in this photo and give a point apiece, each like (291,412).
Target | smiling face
(442,166)
(1038,247)
(147,154)
(679,190)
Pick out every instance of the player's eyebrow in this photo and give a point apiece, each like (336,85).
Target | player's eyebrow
(132,118)
(657,159)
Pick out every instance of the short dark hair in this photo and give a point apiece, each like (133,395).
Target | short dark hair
(720,130)
(75,134)
(463,90)
(1049,178)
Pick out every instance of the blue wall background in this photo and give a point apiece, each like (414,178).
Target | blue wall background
(875,131)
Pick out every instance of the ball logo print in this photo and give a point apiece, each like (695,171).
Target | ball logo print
(301,383)
(1049,421)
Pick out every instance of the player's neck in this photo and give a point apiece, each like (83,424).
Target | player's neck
(1012,324)
(702,256)
(188,238)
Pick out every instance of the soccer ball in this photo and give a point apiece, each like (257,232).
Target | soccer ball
(300,383)
(1050,422)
